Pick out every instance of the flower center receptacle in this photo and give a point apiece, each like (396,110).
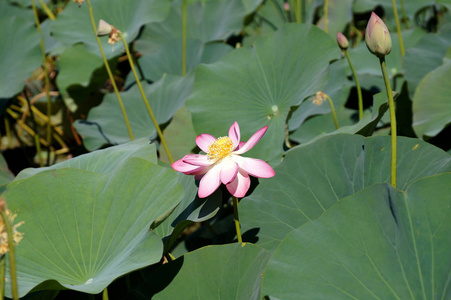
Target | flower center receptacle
(220,149)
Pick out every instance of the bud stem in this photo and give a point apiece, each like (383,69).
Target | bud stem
(398,28)
(143,95)
(105,294)
(326,15)
(12,255)
(110,74)
(333,110)
(237,219)
(357,84)
(391,106)
(183,39)
(47,80)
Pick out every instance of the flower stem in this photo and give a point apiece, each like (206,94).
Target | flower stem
(326,17)
(143,95)
(357,84)
(237,219)
(391,106)
(298,11)
(47,10)
(11,253)
(105,294)
(46,76)
(404,15)
(184,39)
(398,28)
(107,66)
(2,277)
(333,110)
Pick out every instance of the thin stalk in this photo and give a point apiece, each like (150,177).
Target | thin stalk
(143,95)
(333,110)
(12,255)
(391,106)
(2,277)
(35,127)
(184,38)
(405,20)
(326,14)
(105,294)
(47,10)
(8,133)
(110,74)
(298,11)
(398,27)
(237,219)
(357,84)
(46,76)
(171,256)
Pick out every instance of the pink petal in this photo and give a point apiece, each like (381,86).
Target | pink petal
(234,134)
(240,185)
(209,182)
(241,144)
(229,169)
(204,140)
(255,167)
(197,160)
(252,141)
(189,169)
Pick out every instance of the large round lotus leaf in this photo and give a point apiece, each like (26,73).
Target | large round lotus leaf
(106,124)
(76,67)
(73,24)
(191,209)
(102,161)
(337,88)
(431,103)
(20,53)
(84,229)
(161,43)
(380,243)
(426,56)
(258,85)
(314,177)
(5,174)
(179,135)
(231,271)
(323,125)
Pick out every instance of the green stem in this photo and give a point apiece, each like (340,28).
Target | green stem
(8,133)
(333,110)
(357,84)
(237,219)
(184,39)
(12,255)
(110,74)
(326,17)
(398,28)
(404,15)
(2,277)
(391,106)
(298,11)
(46,76)
(105,294)
(47,10)
(35,128)
(143,95)
(171,256)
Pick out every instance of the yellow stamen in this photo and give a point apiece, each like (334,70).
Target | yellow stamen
(220,149)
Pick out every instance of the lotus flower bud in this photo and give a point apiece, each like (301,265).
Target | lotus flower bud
(286,7)
(104,28)
(342,41)
(377,36)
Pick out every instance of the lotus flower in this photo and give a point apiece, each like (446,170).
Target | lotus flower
(223,163)
(377,36)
